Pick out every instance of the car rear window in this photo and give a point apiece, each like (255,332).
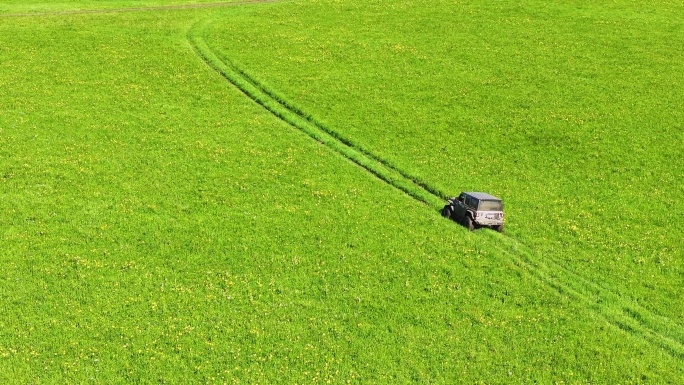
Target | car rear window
(491,206)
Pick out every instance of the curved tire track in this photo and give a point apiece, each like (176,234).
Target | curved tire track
(621,312)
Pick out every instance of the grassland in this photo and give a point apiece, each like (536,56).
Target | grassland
(16,7)
(160,226)
(568,110)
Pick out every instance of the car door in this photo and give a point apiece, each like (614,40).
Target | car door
(459,207)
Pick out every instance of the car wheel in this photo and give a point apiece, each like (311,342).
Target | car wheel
(446,212)
(499,228)
(468,223)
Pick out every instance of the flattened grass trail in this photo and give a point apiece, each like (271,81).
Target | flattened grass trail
(622,312)
(286,111)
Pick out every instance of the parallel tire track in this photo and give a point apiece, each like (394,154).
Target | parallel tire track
(621,312)
(323,127)
(297,119)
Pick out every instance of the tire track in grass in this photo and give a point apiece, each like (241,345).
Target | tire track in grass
(323,127)
(621,312)
(297,119)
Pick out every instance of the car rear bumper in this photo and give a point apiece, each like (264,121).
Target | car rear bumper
(489,222)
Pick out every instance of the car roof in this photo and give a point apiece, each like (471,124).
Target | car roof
(482,196)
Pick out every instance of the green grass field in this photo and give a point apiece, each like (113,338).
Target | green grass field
(577,109)
(160,225)
(15,7)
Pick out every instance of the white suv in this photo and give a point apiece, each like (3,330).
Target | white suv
(473,209)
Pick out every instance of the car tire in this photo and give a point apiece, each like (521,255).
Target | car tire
(446,212)
(499,228)
(468,223)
